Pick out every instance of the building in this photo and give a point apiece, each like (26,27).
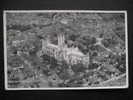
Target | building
(61,52)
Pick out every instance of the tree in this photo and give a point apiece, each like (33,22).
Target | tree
(15,61)
(93,65)
(78,68)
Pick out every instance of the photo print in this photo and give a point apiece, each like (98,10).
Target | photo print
(65,49)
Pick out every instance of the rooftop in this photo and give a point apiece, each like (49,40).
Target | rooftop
(75,51)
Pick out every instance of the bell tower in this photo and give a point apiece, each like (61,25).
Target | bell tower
(61,40)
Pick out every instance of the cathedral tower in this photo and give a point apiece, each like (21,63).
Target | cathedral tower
(61,40)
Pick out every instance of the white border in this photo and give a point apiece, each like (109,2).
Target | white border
(61,11)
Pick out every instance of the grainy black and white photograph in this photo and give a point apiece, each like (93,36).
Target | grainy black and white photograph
(65,49)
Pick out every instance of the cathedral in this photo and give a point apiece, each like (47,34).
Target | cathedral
(72,55)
